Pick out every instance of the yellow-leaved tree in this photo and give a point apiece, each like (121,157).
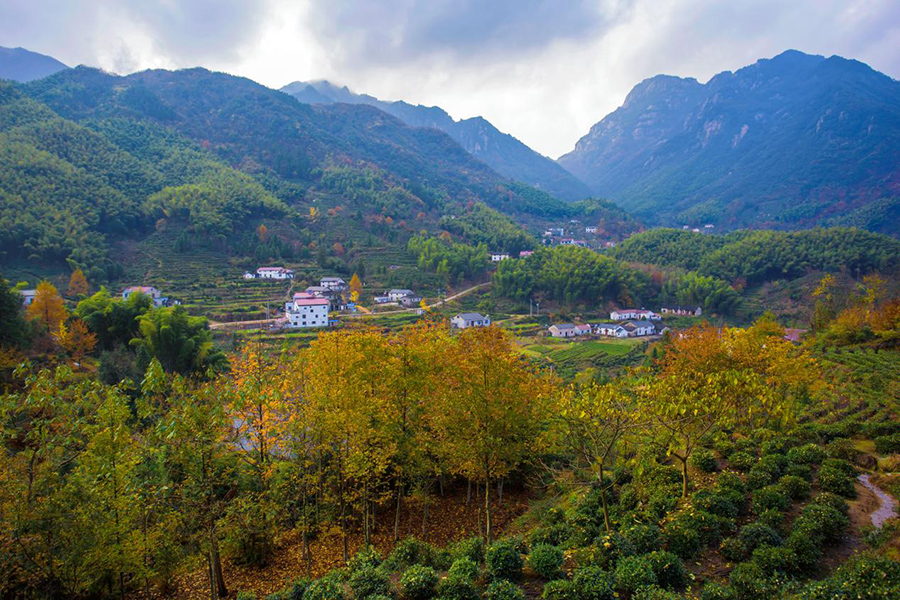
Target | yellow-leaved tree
(47,307)
(78,284)
(712,379)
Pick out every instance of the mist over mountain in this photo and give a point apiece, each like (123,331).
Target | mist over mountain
(19,64)
(793,141)
(502,152)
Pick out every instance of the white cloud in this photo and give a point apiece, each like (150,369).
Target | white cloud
(542,70)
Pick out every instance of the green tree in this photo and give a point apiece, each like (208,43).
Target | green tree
(180,342)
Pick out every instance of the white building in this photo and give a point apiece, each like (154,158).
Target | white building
(626,330)
(573,242)
(689,311)
(274,273)
(465,320)
(396,295)
(249,275)
(333,283)
(153,293)
(590,229)
(525,253)
(306,310)
(563,330)
(498,256)
(28,296)
(626,314)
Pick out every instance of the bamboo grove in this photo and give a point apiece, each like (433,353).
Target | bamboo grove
(107,490)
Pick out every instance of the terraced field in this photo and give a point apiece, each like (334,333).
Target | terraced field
(570,357)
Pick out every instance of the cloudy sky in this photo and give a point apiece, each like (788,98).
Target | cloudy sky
(542,70)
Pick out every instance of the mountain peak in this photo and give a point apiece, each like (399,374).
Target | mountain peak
(19,64)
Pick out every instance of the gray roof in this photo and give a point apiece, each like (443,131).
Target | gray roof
(471,317)
(564,326)
(401,291)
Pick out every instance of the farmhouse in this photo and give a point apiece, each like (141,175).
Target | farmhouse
(307,310)
(626,314)
(465,320)
(498,256)
(590,229)
(333,283)
(152,292)
(573,242)
(410,301)
(274,273)
(397,295)
(525,253)
(626,329)
(690,311)
(28,296)
(563,330)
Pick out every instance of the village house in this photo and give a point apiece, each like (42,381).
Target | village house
(689,311)
(625,329)
(396,295)
(794,335)
(573,242)
(335,284)
(410,301)
(525,253)
(466,320)
(274,273)
(590,229)
(498,256)
(627,314)
(307,310)
(153,293)
(28,296)
(563,330)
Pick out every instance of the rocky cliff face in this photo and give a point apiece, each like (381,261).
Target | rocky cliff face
(796,140)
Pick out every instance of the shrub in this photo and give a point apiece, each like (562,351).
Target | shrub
(720,503)
(418,582)
(754,535)
(801,471)
(807,551)
(465,568)
(326,588)
(367,557)
(610,548)
(809,454)
(841,448)
(774,464)
(703,460)
(795,487)
(724,447)
(775,558)
(456,587)
(593,583)
(770,497)
(741,461)
(866,576)
(888,444)
(771,518)
(832,500)
(471,548)
(730,482)
(503,560)
(668,568)
(369,581)
(733,549)
(242,595)
(837,476)
(546,561)
(634,572)
(777,445)
(654,592)
(821,522)
(298,588)
(758,477)
(559,589)
(408,552)
(503,590)
(682,538)
(716,591)
(279,595)
(749,582)
(643,537)
(556,535)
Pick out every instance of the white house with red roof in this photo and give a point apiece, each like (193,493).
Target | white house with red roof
(307,310)
(149,291)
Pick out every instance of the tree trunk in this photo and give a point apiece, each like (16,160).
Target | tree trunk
(221,590)
(469,493)
(397,512)
(366,530)
(500,492)
(487,509)
(684,477)
(425,517)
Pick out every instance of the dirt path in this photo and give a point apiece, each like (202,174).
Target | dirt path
(464,292)
(887,506)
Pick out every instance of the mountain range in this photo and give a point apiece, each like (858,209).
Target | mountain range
(789,142)
(501,151)
(19,64)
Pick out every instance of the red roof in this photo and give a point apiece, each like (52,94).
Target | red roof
(304,296)
(311,302)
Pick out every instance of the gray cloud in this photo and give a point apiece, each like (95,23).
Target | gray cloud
(397,31)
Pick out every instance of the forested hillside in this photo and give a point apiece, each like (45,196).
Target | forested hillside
(91,159)
(502,152)
(793,141)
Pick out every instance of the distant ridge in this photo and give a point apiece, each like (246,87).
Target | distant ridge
(794,141)
(19,64)
(502,152)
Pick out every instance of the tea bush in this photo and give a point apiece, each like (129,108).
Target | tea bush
(593,583)
(546,561)
(418,583)
(634,572)
(838,476)
(703,460)
(504,560)
(503,590)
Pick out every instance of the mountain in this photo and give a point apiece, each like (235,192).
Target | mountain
(19,64)
(92,163)
(793,141)
(502,152)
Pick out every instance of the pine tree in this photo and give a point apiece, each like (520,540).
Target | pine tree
(78,284)
(47,307)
